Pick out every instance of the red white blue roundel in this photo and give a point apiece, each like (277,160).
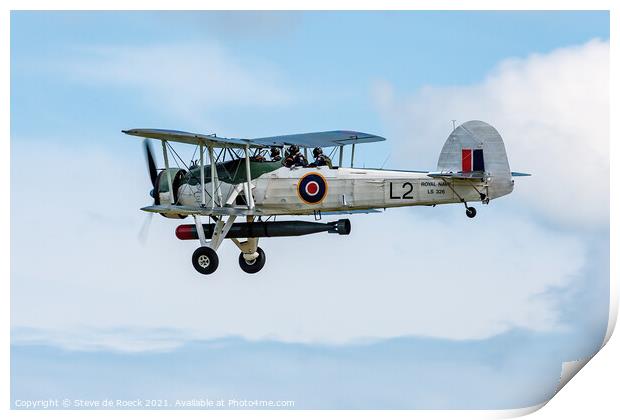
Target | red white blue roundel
(312,188)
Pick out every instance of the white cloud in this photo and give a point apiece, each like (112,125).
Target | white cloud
(187,80)
(128,340)
(552,111)
(77,265)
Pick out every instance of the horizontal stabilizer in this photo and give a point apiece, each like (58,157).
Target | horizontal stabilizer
(474,175)
(519,174)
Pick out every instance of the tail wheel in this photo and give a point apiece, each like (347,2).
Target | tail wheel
(255,265)
(470,212)
(205,260)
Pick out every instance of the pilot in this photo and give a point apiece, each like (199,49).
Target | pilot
(275,154)
(257,158)
(295,157)
(320,159)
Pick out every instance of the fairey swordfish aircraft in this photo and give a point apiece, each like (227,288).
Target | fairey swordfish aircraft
(241,181)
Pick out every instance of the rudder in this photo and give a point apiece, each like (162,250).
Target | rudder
(477,147)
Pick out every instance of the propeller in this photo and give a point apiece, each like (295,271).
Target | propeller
(152,168)
(144,230)
(150,161)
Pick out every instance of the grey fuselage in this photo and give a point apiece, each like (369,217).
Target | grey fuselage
(279,191)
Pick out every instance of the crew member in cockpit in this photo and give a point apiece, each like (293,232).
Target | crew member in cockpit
(275,154)
(295,157)
(320,159)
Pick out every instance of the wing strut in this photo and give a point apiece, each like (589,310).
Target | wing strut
(203,200)
(164,147)
(213,172)
(249,198)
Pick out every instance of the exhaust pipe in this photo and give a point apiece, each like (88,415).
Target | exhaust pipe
(268,229)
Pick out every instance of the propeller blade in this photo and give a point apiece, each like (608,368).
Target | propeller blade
(144,230)
(150,160)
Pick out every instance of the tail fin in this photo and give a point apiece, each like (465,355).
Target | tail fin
(475,147)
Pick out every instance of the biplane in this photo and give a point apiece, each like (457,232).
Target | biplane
(232,179)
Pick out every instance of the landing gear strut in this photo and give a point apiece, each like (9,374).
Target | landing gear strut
(469,211)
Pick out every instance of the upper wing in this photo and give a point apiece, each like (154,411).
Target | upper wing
(185,137)
(320,139)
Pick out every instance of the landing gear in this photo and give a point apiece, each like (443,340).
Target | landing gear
(255,265)
(205,260)
(470,212)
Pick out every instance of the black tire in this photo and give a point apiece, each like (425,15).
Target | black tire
(470,212)
(254,266)
(205,260)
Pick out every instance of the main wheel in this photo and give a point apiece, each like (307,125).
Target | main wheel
(205,260)
(470,212)
(255,265)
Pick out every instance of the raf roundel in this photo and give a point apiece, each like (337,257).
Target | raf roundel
(312,188)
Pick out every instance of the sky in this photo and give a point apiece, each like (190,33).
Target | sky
(417,308)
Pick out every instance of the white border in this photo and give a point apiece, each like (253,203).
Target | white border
(596,389)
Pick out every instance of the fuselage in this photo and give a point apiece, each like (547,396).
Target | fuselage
(277,189)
